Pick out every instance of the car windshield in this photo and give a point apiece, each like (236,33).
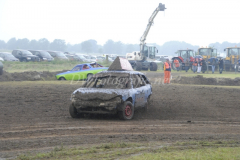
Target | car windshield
(80,56)
(45,54)
(7,55)
(26,53)
(109,82)
(60,54)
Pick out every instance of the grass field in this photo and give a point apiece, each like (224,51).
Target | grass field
(219,150)
(56,65)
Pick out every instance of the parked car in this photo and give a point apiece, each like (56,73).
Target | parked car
(25,56)
(43,55)
(58,55)
(100,59)
(1,68)
(7,56)
(92,58)
(85,56)
(75,57)
(1,59)
(112,92)
(81,72)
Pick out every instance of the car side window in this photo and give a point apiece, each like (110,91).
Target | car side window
(52,54)
(77,68)
(137,81)
(19,53)
(85,67)
(145,79)
(37,53)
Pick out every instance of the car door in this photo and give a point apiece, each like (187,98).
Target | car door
(140,87)
(75,73)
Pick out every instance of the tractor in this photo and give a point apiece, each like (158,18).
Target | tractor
(183,55)
(231,62)
(208,54)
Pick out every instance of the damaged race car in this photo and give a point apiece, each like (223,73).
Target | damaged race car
(81,72)
(112,92)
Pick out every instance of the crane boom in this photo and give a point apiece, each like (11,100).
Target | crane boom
(161,7)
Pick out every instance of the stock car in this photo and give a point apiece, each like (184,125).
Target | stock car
(112,92)
(81,72)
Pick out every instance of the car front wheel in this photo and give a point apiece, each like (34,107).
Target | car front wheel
(127,111)
(73,112)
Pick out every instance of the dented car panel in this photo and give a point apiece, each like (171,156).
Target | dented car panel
(107,98)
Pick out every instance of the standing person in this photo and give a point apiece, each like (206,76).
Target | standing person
(199,66)
(195,63)
(187,65)
(213,65)
(176,63)
(167,72)
(220,65)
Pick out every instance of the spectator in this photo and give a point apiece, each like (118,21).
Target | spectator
(187,65)
(176,63)
(167,72)
(220,65)
(195,63)
(213,65)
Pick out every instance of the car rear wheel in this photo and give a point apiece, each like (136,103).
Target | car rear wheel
(62,79)
(127,111)
(89,76)
(73,112)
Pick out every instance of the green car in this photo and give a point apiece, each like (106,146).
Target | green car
(81,72)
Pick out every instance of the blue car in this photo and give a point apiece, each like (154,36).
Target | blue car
(112,92)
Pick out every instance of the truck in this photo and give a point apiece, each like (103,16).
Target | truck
(231,62)
(143,59)
(183,55)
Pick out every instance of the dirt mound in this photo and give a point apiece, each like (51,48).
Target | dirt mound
(29,76)
(199,79)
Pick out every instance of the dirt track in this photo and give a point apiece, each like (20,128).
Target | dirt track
(35,116)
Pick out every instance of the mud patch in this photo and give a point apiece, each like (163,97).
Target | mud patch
(29,76)
(199,79)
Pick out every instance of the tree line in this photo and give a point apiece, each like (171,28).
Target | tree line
(110,47)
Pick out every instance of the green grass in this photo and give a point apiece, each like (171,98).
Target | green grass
(219,150)
(223,153)
(56,65)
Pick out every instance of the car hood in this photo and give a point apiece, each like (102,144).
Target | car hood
(69,72)
(100,93)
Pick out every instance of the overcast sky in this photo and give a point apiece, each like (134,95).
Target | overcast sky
(198,22)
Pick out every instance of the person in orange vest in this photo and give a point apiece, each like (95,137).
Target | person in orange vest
(195,63)
(167,72)
(176,62)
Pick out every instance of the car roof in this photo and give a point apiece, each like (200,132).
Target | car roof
(124,72)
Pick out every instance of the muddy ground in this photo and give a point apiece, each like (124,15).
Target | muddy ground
(34,116)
